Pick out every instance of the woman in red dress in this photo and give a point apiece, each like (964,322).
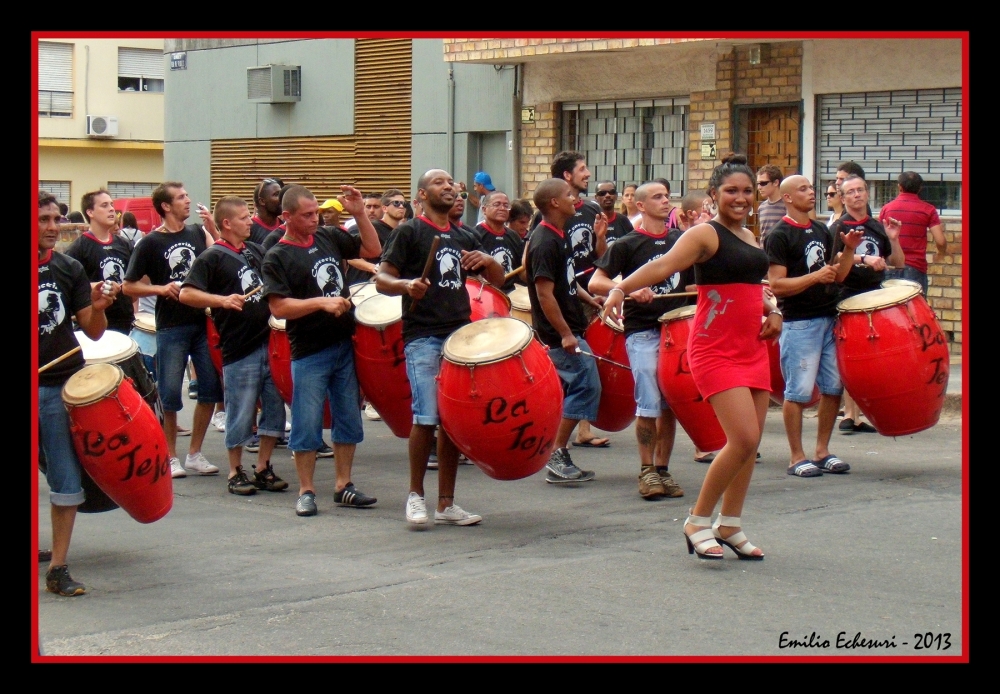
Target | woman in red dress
(727,351)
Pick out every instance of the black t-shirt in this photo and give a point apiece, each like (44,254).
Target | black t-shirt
(618,226)
(801,250)
(272,238)
(874,241)
(167,257)
(506,248)
(306,272)
(630,253)
(582,240)
(63,290)
(384,231)
(260,231)
(106,261)
(445,307)
(550,257)
(223,270)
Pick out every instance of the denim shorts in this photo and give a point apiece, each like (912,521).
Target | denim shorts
(580,381)
(326,375)
(423,362)
(173,347)
(643,349)
(908,273)
(809,358)
(62,465)
(246,381)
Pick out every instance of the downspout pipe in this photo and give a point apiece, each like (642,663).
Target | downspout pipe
(451,121)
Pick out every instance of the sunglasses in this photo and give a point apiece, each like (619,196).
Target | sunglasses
(763,183)
(831,195)
(464,195)
(397,203)
(602,193)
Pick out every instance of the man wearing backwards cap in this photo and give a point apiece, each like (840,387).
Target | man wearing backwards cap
(481,185)
(330,211)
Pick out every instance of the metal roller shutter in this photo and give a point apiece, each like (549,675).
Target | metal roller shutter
(55,78)
(140,62)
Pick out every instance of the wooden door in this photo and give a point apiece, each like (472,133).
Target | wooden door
(771,136)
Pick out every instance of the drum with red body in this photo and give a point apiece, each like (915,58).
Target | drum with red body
(617,408)
(214,343)
(778,379)
(122,351)
(380,362)
(893,358)
(279,356)
(119,441)
(486,300)
(499,397)
(673,374)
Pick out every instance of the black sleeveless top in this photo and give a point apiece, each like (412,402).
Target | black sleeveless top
(736,262)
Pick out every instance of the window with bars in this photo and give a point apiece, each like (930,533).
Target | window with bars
(123,189)
(55,79)
(630,141)
(58,188)
(140,70)
(887,133)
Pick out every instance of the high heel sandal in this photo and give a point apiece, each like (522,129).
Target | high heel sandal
(737,542)
(703,539)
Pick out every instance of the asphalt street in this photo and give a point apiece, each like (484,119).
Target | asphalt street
(867,563)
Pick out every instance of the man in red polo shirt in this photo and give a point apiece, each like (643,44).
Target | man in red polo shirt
(917,216)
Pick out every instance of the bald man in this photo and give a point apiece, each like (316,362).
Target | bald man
(804,281)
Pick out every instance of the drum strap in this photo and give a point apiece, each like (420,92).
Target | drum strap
(247,256)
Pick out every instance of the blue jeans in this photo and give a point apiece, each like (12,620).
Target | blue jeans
(245,381)
(423,362)
(580,381)
(326,375)
(173,347)
(809,358)
(643,349)
(63,466)
(908,273)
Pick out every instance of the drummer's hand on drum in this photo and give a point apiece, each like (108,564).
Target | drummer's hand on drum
(233,302)
(474,260)
(336,305)
(417,287)
(570,344)
(852,239)
(613,306)
(643,296)
(875,262)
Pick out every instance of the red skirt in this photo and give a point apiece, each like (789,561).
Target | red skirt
(724,350)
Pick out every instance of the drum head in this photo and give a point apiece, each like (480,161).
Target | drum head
(112,348)
(146,322)
(900,282)
(276,323)
(92,383)
(379,311)
(678,313)
(519,298)
(361,291)
(487,340)
(878,298)
(608,321)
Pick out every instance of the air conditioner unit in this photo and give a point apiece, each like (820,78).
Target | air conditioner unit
(274,84)
(102,126)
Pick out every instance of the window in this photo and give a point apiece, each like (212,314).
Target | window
(123,189)
(55,79)
(891,132)
(58,188)
(140,70)
(631,141)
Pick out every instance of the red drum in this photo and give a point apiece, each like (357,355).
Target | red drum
(778,379)
(486,300)
(499,397)
(380,362)
(120,443)
(893,358)
(122,351)
(900,282)
(214,343)
(617,408)
(673,374)
(279,353)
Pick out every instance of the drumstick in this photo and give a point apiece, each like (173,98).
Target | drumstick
(372,279)
(427,266)
(613,363)
(512,273)
(253,291)
(59,359)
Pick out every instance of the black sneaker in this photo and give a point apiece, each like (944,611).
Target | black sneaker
(58,581)
(846,426)
(282,442)
(193,390)
(350,496)
(254,444)
(239,484)
(267,480)
(865,428)
(306,505)
(324,451)
(44,555)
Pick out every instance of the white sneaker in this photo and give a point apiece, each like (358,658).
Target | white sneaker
(198,463)
(416,509)
(219,420)
(176,469)
(371,414)
(456,515)
(288,426)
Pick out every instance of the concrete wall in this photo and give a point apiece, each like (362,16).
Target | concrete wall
(89,168)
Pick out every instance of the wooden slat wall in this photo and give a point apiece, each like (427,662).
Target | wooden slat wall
(375,158)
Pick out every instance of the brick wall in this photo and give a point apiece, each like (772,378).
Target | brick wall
(507,49)
(944,292)
(539,144)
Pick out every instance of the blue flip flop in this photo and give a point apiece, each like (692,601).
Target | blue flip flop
(805,468)
(832,463)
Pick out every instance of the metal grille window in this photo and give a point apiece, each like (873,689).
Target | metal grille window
(123,189)
(58,188)
(140,70)
(55,79)
(631,141)
(891,132)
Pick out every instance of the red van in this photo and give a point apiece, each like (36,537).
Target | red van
(142,208)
